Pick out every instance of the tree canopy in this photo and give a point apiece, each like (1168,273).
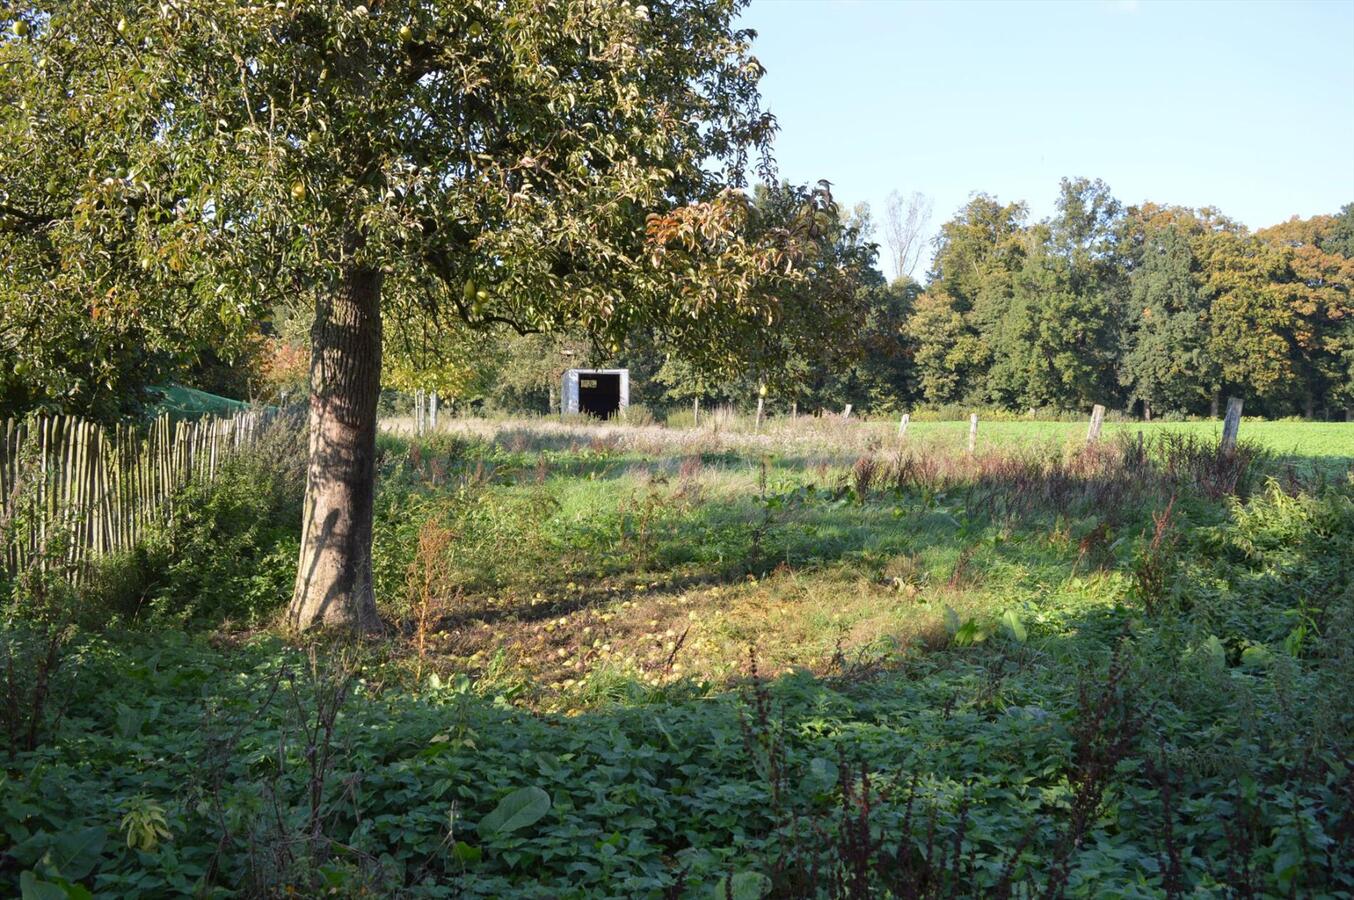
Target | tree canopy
(527,164)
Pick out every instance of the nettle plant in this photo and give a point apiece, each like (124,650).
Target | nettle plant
(168,170)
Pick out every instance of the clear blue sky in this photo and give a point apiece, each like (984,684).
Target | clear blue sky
(1245,106)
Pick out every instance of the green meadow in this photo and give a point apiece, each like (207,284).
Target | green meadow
(640,662)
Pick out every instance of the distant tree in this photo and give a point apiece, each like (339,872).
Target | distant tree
(531,368)
(1252,323)
(1318,284)
(449,358)
(1081,336)
(905,221)
(978,254)
(1051,345)
(1166,363)
(1339,237)
(884,377)
(949,355)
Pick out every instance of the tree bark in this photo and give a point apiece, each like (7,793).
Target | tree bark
(333,580)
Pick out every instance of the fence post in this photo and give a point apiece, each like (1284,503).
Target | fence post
(902,424)
(1231,424)
(972,432)
(1097,419)
(695,412)
(760,405)
(846,413)
(432,411)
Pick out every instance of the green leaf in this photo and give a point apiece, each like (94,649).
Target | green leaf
(75,853)
(71,855)
(821,777)
(467,854)
(129,721)
(1213,649)
(741,886)
(33,888)
(1256,656)
(1014,627)
(30,888)
(970,633)
(523,807)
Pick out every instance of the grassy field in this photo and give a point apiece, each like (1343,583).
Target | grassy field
(641,662)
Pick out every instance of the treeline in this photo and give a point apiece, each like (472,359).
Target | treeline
(1156,311)
(1152,310)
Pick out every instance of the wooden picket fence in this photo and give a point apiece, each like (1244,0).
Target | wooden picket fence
(72,490)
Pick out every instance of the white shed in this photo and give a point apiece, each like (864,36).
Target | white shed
(598,392)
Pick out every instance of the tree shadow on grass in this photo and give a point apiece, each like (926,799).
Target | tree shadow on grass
(980,748)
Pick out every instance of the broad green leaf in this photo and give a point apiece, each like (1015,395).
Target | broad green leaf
(1014,627)
(32,888)
(467,854)
(821,777)
(741,886)
(1256,656)
(1214,650)
(129,721)
(523,807)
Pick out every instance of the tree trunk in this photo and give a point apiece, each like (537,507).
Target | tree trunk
(333,581)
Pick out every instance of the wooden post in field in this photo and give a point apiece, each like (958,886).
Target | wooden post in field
(972,432)
(794,409)
(760,405)
(432,410)
(695,412)
(1231,424)
(902,424)
(1097,419)
(846,413)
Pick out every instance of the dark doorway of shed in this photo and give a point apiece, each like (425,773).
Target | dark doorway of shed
(599,394)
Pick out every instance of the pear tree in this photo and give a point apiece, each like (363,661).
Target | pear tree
(177,167)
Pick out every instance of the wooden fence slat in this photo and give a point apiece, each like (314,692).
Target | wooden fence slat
(100,487)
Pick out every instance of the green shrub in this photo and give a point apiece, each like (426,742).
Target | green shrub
(227,553)
(638,414)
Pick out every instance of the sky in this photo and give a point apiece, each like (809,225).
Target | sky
(1244,106)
